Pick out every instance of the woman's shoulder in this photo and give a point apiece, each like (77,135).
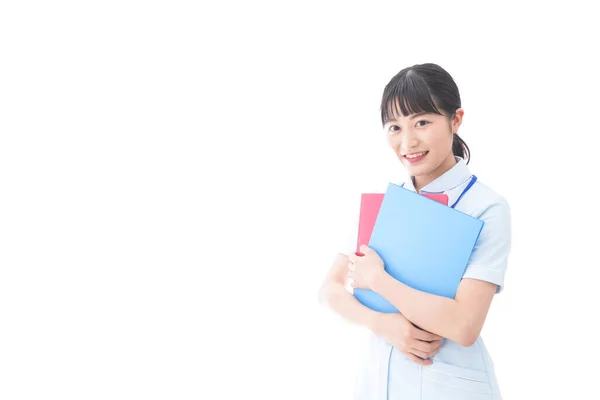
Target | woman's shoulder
(486,199)
(488,192)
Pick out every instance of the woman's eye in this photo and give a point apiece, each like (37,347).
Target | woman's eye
(394,128)
(423,123)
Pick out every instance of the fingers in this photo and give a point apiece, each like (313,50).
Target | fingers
(421,334)
(365,249)
(353,282)
(425,349)
(418,360)
(353,257)
(351,266)
(351,279)
(424,355)
(352,276)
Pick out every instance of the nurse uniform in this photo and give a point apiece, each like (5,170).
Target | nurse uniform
(457,372)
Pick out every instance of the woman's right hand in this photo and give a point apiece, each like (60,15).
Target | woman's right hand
(407,338)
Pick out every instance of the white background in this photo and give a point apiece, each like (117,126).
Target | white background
(175,177)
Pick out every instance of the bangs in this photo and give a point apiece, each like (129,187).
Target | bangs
(406,94)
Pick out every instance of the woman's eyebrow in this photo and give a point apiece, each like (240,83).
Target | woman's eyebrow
(420,114)
(412,117)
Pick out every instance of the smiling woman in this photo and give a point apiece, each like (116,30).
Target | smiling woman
(422,127)
(421,114)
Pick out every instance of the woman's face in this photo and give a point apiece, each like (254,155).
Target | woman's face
(423,143)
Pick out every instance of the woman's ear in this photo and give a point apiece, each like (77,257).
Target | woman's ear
(457,119)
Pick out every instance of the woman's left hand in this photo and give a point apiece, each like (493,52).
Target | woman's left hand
(366,269)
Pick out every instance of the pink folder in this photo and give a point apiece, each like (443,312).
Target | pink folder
(370,203)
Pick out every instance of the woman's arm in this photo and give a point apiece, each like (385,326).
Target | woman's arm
(333,294)
(392,327)
(460,319)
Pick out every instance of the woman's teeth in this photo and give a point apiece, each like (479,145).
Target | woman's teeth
(416,154)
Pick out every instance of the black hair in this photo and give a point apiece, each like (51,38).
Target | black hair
(423,88)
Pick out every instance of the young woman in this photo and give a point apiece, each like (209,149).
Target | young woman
(421,114)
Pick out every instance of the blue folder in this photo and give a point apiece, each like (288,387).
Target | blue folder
(424,244)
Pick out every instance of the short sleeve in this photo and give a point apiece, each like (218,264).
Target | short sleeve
(489,259)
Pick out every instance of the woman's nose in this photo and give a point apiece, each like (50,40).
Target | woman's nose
(409,141)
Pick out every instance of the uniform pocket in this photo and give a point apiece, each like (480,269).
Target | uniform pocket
(445,381)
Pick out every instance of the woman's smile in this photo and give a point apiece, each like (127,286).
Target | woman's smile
(414,158)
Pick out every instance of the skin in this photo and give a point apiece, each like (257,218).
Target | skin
(424,132)
(460,319)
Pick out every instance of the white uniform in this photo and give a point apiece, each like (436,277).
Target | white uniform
(457,372)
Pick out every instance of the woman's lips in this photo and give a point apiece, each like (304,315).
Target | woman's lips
(415,160)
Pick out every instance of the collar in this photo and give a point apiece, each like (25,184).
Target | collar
(455,176)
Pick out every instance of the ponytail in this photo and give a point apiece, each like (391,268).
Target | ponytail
(460,148)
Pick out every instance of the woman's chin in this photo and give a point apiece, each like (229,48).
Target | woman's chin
(414,170)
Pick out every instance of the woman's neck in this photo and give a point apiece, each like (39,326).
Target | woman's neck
(421,181)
